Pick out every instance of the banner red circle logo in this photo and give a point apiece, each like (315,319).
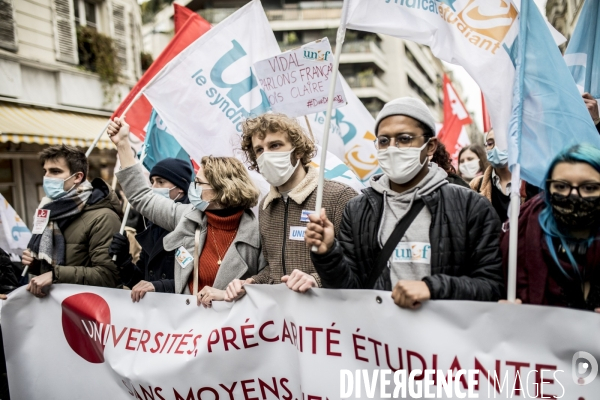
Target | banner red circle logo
(86,325)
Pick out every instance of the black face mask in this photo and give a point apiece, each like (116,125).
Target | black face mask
(574,211)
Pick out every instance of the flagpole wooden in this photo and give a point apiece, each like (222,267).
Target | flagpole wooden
(309,129)
(341,34)
(128,207)
(515,186)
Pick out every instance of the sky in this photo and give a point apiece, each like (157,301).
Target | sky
(471,92)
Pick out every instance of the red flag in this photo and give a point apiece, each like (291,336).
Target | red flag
(181,15)
(487,122)
(139,114)
(455,117)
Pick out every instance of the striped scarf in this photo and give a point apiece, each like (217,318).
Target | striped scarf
(49,246)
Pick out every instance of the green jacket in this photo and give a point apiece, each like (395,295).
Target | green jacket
(87,239)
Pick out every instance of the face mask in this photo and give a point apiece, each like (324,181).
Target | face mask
(164,192)
(469,169)
(195,196)
(276,167)
(498,158)
(574,211)
(55,187)
(401,165)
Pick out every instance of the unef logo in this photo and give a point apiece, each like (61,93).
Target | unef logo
(85,322)
(484,23)
(315,55)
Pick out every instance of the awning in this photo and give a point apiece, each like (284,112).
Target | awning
(20,124)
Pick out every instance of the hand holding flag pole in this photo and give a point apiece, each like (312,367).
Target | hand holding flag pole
(341,33)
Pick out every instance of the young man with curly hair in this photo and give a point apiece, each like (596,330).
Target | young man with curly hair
(277,147)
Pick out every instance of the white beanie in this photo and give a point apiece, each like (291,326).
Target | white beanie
(408,106)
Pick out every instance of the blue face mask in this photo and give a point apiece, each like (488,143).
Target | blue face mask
(164,192)
(498,158)
(55,187)
(195,196)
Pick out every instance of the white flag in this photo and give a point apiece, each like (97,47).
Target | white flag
(14,234)
(351,136)
(206,92)
(476,34)
(336,170)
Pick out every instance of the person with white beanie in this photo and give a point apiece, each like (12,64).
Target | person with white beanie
(411,232)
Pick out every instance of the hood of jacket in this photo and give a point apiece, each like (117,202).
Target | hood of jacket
(103,197)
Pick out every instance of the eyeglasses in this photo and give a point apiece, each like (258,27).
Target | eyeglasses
(384,142)
(196,184)
(586,189)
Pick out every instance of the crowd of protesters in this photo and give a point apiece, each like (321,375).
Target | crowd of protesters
(423,229)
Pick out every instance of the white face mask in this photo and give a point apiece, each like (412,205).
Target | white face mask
(469,169)
(401,165)
(276,167)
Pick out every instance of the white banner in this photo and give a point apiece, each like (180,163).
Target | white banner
(95,344)
(206,92)
(297,82)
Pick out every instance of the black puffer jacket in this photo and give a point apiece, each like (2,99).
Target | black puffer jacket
(466,263)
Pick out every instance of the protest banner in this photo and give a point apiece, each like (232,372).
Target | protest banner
(93,343)
(296,82)
(336,170)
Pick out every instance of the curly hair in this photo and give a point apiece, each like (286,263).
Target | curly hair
(272,123)
(232,183)
(442,158)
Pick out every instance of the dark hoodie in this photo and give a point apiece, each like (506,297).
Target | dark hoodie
(87,237)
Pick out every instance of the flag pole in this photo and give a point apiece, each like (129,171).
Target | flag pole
(96,140)
(341,33)
(128,206)
(515,188)
(590,57)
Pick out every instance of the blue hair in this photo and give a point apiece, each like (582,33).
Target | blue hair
(581,153)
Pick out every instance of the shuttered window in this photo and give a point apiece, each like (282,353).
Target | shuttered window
(120,35)
(8,36)
(64,32)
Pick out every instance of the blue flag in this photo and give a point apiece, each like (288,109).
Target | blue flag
(583,53)
(160,144)
(548,113)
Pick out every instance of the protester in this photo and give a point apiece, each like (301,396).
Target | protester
(83,216)
(559,251)
(277,147)
(449,246)
(217,230)
(154,271)
(592,105)
(444,161)
(495,183)
(472,161)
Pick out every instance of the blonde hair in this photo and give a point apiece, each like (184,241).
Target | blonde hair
(273,123)
(232,184)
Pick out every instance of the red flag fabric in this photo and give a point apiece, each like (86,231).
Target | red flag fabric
(455,117)
(139,114)
(487,122)
(181,15)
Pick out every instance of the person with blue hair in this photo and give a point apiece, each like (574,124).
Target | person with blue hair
(559,230)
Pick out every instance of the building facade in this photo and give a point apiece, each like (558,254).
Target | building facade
(59,85)
(563,15)
(378,68)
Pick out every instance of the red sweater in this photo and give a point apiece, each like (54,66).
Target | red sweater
(221,230)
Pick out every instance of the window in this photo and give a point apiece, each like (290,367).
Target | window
(413,85)
(7,181)
(411,58)
(85,13)
(8,37)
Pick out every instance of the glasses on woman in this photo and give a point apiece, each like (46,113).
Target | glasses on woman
(400,141)
(586,189)
(198,184)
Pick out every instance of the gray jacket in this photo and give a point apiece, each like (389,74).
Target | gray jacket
(243,258)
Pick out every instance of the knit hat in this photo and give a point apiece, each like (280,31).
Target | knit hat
(408,106)
(176,171)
